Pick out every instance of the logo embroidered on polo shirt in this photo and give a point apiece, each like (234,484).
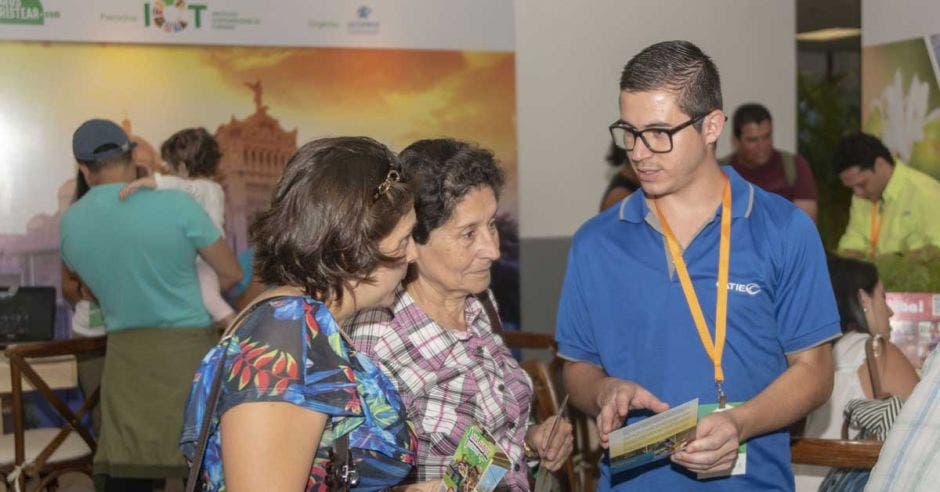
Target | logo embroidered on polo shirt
(751,289)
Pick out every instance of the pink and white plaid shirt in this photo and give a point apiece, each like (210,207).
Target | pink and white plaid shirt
(449,379)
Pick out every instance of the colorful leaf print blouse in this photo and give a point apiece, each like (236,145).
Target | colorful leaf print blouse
(290,349)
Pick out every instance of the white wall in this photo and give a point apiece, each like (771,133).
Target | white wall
(569,55)
(884,21)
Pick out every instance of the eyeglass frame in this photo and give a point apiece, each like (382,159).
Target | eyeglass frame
(620,124)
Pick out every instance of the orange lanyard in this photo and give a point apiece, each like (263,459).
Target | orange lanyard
(714,349)
(875,229)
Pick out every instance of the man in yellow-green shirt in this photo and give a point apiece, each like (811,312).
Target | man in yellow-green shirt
(894,207)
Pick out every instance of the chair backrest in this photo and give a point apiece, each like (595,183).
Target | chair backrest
(580,471)
(837,453)
(22,359)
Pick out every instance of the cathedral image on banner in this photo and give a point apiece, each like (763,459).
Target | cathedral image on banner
(261,104)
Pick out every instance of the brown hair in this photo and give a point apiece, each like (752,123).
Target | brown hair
(192,148)
(337,199)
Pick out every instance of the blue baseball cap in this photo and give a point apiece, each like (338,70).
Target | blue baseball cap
(99,139)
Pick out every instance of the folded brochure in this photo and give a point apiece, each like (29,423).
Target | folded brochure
(478,464)
(653,438)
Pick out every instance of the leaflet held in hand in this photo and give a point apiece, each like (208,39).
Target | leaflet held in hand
(653,438)
(478,464)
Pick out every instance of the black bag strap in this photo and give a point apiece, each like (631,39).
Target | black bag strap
(343,472)
(196,466)
(495,324)
(212,403)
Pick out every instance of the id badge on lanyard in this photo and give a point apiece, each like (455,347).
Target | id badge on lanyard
(715,348)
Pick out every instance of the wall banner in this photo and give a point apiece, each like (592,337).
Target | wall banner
(262,77)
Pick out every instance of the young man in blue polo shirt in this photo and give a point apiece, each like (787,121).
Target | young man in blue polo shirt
(641,321)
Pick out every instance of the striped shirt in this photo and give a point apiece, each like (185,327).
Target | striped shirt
(911,454)
(448,380)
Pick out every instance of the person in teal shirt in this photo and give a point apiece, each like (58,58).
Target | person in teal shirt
(137,258)
(892,208)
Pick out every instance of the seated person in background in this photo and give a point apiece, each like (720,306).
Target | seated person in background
(757,161)
(621,184)
(908,459)
(335,238)
(864,313)
(894,205)
(193,155)
(138,258)
(438,341)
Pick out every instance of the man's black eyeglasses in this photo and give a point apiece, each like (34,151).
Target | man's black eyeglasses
(658,140)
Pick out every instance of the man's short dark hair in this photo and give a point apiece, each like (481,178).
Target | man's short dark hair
(859,149)
(680,67)
(195,149)
(122,159)
(749,113)
(443,171)
(332,207)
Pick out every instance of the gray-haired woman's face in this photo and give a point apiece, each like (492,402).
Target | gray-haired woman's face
(458,255)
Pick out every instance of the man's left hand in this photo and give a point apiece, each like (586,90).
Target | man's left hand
(715,446)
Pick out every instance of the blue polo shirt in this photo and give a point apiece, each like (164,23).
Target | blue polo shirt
(622,309)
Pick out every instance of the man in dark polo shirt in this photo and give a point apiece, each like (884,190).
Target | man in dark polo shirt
(757,161)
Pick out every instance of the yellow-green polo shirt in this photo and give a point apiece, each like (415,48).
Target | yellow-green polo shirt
(910,218)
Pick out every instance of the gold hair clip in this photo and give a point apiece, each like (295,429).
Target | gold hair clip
(392,177)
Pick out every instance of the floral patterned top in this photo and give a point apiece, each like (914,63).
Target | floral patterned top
(290,349)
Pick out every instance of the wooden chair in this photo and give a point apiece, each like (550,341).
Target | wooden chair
(46,453)
(836,453)
(579,473)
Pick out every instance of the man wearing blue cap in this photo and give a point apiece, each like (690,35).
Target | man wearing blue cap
(137,257)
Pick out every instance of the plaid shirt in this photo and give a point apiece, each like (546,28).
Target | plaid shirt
(449,379)
(909,457)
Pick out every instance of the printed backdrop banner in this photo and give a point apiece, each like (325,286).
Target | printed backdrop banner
(901,99)
(915,326)
(262,77)
(479,25)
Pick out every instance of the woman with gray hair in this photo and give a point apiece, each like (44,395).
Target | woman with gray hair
(438,342)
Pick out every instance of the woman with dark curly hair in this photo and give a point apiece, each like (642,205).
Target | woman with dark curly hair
(439,343)
(336,238)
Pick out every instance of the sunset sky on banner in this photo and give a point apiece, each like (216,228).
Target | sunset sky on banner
(393,95)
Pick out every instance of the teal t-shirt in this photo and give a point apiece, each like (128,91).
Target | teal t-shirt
(138,256)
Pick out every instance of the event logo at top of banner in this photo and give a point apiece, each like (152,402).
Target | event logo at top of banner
(363,24)
(173,17)
(24,12)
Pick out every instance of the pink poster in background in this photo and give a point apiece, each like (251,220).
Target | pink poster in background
(915,326)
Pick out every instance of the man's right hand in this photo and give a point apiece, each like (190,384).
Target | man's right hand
(615,399)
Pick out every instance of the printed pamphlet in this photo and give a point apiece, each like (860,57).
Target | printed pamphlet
(478,465)
(653,438)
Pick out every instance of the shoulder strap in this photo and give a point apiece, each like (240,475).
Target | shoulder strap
(343,473)
(789,167)
(212,402)
(495,324)
(874,354)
